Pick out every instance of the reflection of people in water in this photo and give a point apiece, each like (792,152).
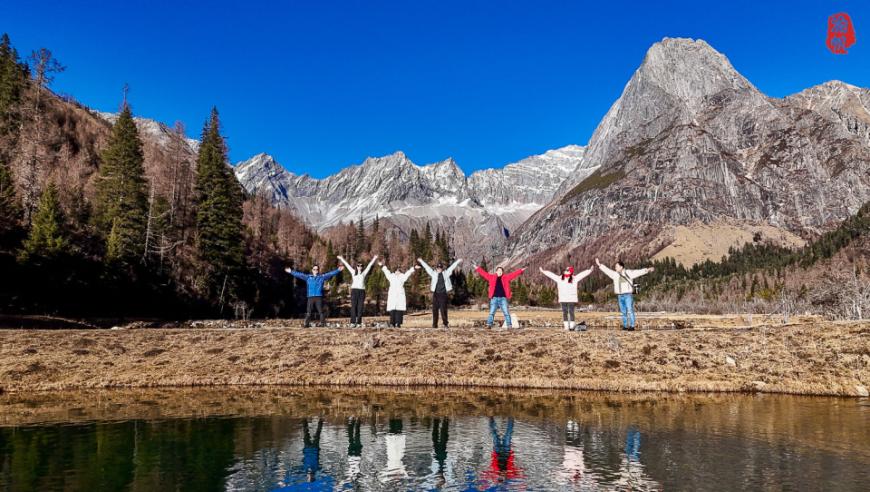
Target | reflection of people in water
(311,450)
(440,434)
(354,449)
(502,466)
(631,470)
(395,441)
(573,461)
(310,465)
(439,441)
(632,444)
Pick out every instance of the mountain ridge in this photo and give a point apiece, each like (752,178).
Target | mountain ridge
(722,150)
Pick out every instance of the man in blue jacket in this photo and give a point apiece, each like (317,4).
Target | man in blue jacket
(315,281)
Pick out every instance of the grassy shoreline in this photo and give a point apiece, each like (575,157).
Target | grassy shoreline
(808,357)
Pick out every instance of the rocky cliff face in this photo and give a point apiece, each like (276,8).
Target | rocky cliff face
(475,209)
(692,141)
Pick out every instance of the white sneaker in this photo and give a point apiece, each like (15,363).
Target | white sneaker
(566,325)
(571,325)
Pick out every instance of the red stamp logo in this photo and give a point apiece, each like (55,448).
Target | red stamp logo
(841,33)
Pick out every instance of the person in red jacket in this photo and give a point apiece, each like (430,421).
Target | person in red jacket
(499,292)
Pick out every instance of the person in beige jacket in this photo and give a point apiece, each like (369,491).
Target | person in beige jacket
(623,287)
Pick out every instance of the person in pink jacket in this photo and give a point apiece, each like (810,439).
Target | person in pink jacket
(499,292)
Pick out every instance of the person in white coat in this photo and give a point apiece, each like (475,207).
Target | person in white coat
(567,287)
(357,289)
(396,304)
(624,288)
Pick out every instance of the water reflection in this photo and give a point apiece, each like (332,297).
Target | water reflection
(450,441)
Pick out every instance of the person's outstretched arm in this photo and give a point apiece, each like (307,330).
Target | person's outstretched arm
(483,273)
(410,272)
(514,274)
(369,267)
(332,273)
(385,270)
(610,273)
(426,267)
(585,273)
(454,265)
(549,274)
(346,264)
(637,273)
(297,274)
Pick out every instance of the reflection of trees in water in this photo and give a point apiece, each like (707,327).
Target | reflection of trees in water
(165,455)
(633,446)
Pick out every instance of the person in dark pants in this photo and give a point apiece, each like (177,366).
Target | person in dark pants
(396,302)
(567,287)
(357,290)
(315,281)
(440,287)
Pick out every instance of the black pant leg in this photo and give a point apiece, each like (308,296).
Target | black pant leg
(308,308)
(318,304)
(439,306)
(434,310)
(354,306)
(361,304)
(400,317)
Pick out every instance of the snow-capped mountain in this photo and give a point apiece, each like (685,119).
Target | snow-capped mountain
(408,195)
(155,131)
(691,141)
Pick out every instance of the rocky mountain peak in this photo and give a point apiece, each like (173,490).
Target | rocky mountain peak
(689,70)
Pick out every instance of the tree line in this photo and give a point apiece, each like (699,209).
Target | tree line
(759,265)
(98,220)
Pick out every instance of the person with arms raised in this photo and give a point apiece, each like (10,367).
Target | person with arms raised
(567,287)
(357,289)
(624,288)
(314,282)
(499,292)
(440,287)
(396,304)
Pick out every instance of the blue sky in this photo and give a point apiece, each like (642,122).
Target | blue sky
(322,84)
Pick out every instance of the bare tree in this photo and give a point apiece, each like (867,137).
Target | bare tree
(43,69)
(844,295)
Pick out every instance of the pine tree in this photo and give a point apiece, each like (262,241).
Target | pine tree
(10,207)
(47,238)
(12,80)
(121,201)
(360,240)
(219,246)
(414,244)
(426,243)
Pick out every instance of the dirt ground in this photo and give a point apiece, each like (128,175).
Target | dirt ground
(670,353)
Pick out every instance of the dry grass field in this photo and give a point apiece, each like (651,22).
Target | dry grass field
(670,353)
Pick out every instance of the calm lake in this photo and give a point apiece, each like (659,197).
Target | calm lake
(330,439)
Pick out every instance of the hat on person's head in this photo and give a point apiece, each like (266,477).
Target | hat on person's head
(570,270)
(440,265)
